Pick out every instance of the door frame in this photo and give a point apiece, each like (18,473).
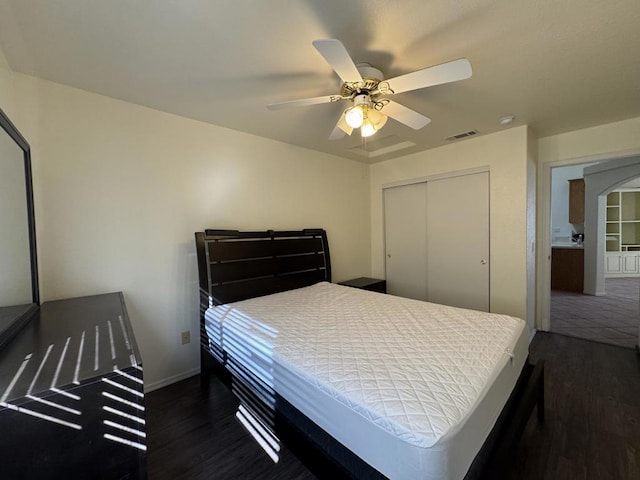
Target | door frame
(543,226)
(437,176)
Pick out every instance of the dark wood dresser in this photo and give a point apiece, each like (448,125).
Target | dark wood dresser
(71,394)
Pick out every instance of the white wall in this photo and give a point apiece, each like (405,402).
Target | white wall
(591,144)
(6,76)
(560,176)
(120,189)
(506,153)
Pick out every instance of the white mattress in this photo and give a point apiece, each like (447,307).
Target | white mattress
(413,388)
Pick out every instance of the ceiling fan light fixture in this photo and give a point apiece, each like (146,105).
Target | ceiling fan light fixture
(368,128)
(373,121)
(354,116)
(377,118)
(366,88)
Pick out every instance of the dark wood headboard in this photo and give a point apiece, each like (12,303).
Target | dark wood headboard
(235,265)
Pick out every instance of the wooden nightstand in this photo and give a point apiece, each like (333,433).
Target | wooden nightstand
(366,283)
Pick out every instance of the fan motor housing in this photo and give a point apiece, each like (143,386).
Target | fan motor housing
(371,77)
(369,73)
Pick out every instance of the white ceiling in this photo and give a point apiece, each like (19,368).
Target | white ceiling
(557,65)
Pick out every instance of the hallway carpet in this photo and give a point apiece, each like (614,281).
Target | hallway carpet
(612,318)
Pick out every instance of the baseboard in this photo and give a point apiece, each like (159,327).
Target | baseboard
(169,380)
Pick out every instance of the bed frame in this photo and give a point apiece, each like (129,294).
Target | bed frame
(236,265)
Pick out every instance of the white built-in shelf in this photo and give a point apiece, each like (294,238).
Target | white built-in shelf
(622,233)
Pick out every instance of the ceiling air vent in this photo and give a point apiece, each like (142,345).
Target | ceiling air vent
(458,136)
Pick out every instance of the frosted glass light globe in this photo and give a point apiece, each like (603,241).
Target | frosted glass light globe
(367,129)
(354,117)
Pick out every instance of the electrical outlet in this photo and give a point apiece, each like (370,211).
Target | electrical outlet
(186,337)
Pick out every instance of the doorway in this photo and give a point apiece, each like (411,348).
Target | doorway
(613,317)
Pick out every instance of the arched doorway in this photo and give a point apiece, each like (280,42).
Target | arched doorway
(600,180)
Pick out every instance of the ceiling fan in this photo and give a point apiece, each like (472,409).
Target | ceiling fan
(366,90)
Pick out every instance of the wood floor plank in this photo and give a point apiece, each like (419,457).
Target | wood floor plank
(591,430)
(193,435)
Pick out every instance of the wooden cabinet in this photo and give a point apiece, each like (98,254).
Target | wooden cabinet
(576,201)
(73,401)
(629,263)
(613,263)
(622,264)
(567,269)
(366,283)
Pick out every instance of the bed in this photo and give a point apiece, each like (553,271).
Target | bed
(382,386)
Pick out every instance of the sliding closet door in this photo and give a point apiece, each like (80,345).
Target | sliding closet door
(458,241)
(405,220)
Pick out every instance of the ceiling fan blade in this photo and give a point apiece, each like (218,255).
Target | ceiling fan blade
(336,134)
(337,56)
(340,129)
(303,102)
(430,76)
(405,115)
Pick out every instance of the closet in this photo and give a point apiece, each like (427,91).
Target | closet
(437,240)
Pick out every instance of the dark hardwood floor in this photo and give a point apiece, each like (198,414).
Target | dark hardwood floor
(591,431)
(192,435)
(592,406)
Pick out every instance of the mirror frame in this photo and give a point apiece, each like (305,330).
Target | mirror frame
(17,137)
